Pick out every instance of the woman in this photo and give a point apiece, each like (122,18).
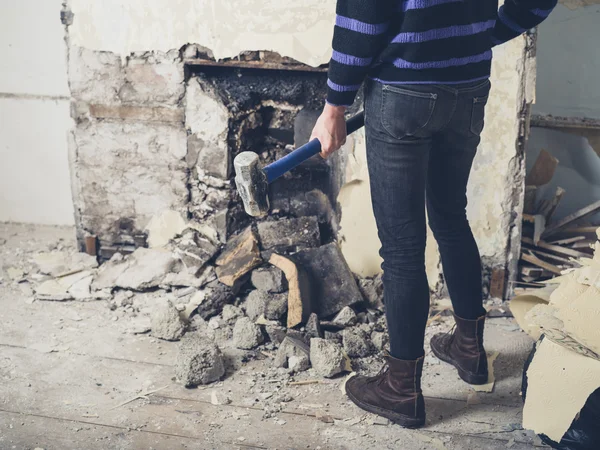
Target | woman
(427,65)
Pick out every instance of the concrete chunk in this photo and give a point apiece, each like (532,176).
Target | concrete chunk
(357,343)
(246,335)
(333,285)
(290,234)
(276,307)
(327,357)
(269,280)
(147,268)
(217,295)
(255,305)
(345,318)
(372,291)
(293,352)
(167,323)
(163,227)
(313,327)
(199,361)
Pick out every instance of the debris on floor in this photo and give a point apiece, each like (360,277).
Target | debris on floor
(566,367)
(551,246)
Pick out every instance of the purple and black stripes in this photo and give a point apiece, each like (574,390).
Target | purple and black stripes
(443,33)
(343,87)
(422,41)
(361,27)
(349,60)
(407,5)
(452,62)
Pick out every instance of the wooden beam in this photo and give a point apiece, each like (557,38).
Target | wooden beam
(549,121)
(567,241)
(538,262)
(577,215)
(539,225)
(556,248)
(553,204)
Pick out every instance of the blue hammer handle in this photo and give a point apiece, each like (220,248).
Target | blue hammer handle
(301,154)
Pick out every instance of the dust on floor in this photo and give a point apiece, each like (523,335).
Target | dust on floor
(74,376)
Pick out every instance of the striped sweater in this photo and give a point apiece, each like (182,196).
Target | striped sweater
(422,41)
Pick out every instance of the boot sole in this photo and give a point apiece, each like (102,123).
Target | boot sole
(467,377)
(399,419)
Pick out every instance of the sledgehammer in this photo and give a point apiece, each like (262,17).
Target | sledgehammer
(253,181)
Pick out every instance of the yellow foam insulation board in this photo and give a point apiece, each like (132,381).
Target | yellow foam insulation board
(559,382)
(520,306)
(581,318)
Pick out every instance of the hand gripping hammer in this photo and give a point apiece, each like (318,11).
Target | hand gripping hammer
(253,181)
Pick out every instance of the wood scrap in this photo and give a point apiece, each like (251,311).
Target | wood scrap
(577,215)
(567,241)
(539,225)
(543,170)
(556,248)
(299,294)
(583,244)
(549,210)
(538,262)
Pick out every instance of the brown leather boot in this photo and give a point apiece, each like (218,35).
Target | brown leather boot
(463,348)
(395,393)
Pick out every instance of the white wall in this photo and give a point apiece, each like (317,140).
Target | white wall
(568,58)
(34,114)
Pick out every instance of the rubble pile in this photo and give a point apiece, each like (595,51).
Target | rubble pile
(274,289)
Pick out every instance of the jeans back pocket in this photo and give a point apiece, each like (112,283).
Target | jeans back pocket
(405,112)
(478,114)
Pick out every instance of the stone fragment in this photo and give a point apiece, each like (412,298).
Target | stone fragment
(194,250)
(333,284)
(108,273)
(217,295)
(379,339)
(276,333)
(59,289)
(199,361)
(255,305)
(166,322)
(290,234)
(345,318)
(231,312)
(356,343)
(269,280)
(147,269)
(372,291)
(163,227)
(293,348)
(239,257)
(327,357)
(218,398)
(58,263)
(15,273)
(276,307)
(246,335)
(298,363)
(80,290)
(299,294)
(52,290)
(333,336)
(313,326)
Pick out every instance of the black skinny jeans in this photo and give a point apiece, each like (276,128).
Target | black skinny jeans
(421,141)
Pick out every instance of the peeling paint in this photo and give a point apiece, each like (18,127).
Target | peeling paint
(300,30)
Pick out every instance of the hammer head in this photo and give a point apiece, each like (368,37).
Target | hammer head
(251,182)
